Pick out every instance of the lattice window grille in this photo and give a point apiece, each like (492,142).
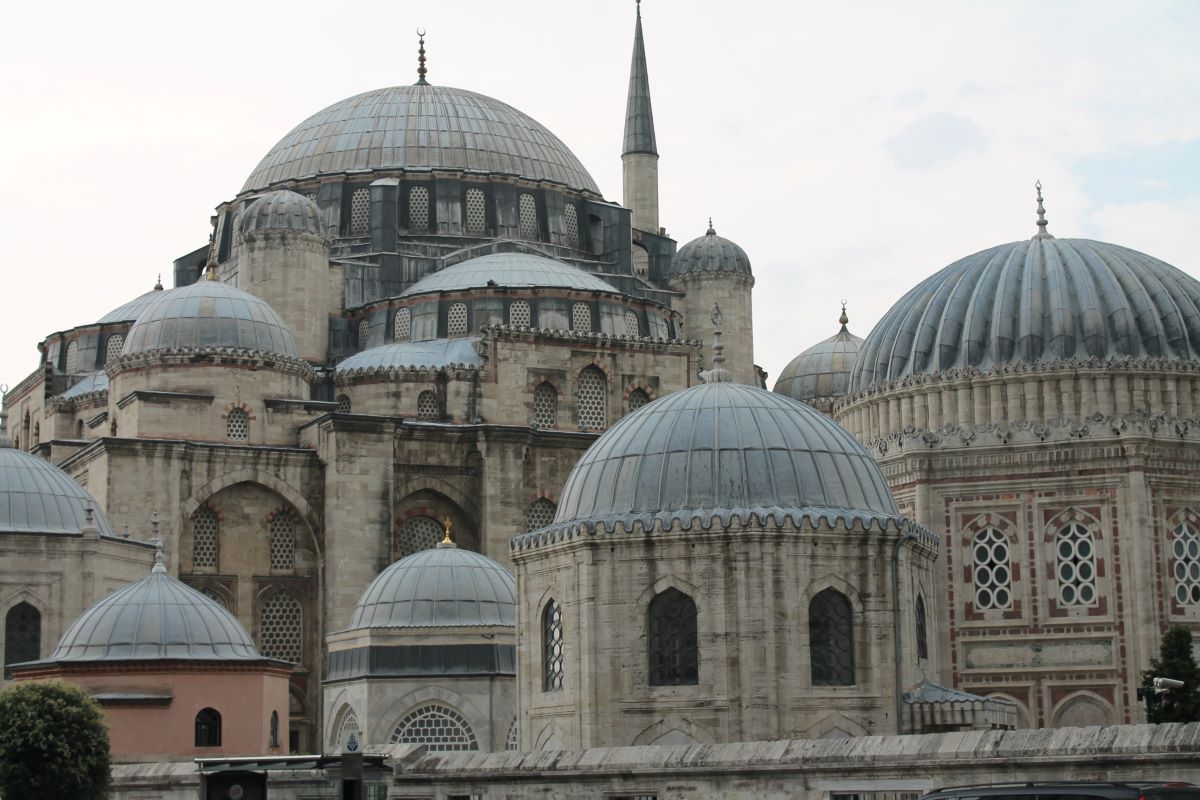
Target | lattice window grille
(283,542)
(674,642)
(311,196)
(631,325)
(593,387)
(360,212)
(540,514)
(427,406)
(215,596)
(206,535)
(637,399)
(456,319)
(438,727)
(831,639)
(922,631)
(112,348)
(993,573)
(1075,565)
(418,209)
(1185,548)
(364,333)
(545,406)
(581,318)
(476,213)
(343,404)
(416,534)
(571,220)
(528,216)
(403,325)
(552,648)
(72,365)
(511,740)
(519,315)
(237,424)
(349,725)
(281,628)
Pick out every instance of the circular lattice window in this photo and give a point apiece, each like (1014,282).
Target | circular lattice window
(637,399)
(438,727)
(631,324)
(281,631)
(343,404)
(456,319)
(571,220)
(418,209)
(540,514)
(237,424)
(528,212)
(206,530)
(112,348)
(545,406)
(476,213)
(1075,566)
(591,400)
(427,407)
(518,314)
(418,533)
(1186,551)
(283,542)
(72,365)
(993,573)
(403,323)
(360,212)
(581,318)
(364,333)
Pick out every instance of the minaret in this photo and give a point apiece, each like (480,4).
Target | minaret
(640,156)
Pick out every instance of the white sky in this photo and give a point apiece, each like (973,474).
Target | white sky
(851,148)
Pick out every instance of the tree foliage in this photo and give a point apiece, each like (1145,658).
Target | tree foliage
(1176,660)
(53,743)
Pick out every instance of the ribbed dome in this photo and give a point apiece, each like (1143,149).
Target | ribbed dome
(438,588)
(421,127)
(282,211)
(128,312)
(210,314)
(822,372)
(156,618)
(38,497)
(710,253)
(724,450)
(1037,300)
(436,353)
(508,271)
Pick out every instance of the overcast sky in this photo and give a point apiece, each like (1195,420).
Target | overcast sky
(851,148)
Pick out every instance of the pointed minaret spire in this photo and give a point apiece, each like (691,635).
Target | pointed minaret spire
(1041,212)
(421,71)
(640,154)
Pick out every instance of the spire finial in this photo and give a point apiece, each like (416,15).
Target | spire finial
(843,319)
(421,71)
(446,525)
(639,9)
(158,283)
(1042,233)
(210,271)
(718,373)
(160,566)
(711,230)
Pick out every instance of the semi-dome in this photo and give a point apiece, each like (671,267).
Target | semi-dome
(442,587)
(508,271)
(822,372)
(710,253)
(38,497)
(421,127)
(128,312)
(1033,301)
(435,353)
(157,617)
(282,210)
(210,314)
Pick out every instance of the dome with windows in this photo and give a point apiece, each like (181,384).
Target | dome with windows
(282,211)
(421,127)
(710,253)
(38,497)
(444,586)
(509,271)
(821,374)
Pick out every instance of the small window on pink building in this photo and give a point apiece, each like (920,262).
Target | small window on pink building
(208,728)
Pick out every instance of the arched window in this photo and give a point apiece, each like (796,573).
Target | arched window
(438,727)
(637,399)
(528,213)
(418,209)
(831,639)
(281,628)
(552,648)
(364,334)
(349,726)
(343,404)
(674,645)
(571,222)
(581,318)
(591,400)
(1075,565)
(992,570)
(540,514)
(72,361)
(427,405)
(274,729)
(632,328)
(283,542)
(208,728)
(112,347)
(922,634)
(79,429)
(519,315)
(403,325)
(456,319)
(511,740)
(237,424)
(476,213)
(1185,549)
(22,636)
(360,212)
(416,534)
(545,406)
(206,536)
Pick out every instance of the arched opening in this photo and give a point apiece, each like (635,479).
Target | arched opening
(545,406)
(22,636)
(208,728)
(831,639)
(992,572)
(438,727)
(592,400)
(922,633)
(540,514)
(637,399)
(673,640)
(552,647)
(1075,565)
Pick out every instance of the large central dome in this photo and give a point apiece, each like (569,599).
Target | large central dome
(421,127)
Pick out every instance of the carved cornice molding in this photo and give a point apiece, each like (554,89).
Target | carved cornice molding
(211,356)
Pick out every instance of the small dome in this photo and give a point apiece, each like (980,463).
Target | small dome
(92,382)
(442,587)
(436,353)
(710,253)
(282,211)
(724,450)
(1038,300)
(509,271)
(38,497)
(821,374)
(210,314)
(130,311)
(155,618)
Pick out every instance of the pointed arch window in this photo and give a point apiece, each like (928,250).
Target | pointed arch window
(633,328)
(637,399)
(831,639)
(1185,563)
(992,570)
(1075,565)
(364,334)
(591,401)
(22,636)
(922,632)
(112,347)
(540,514)
(403,325)
(208,728)
(545,406)
(673,638)
(72,361)
(552,647)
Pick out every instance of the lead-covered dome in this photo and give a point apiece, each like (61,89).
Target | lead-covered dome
(38,497)
(443,587)
(421,127)
(282,210)
(821,374)
(508,271)
(431,354)
(1032,301)
(710,253)
(210,314)
(128,312)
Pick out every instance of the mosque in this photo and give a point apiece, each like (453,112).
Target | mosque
(467,455)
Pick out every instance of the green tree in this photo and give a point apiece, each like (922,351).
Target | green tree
(1176,660)
(53,743)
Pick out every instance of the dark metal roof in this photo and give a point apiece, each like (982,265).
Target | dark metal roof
(38,497)
(282,210)
(639,116)
(710,253)
(509,271)
(435,353)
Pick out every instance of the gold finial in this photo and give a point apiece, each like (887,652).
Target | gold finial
(446,525)
(210,271)
(421,71)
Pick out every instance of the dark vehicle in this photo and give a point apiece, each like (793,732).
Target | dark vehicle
(1069,790)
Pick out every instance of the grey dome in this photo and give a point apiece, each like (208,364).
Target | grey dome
(508,271)
(822,372)
(1033,301)
(154,618)
(436,353)
(282,211)
(444,586)
(128,312)
(38,497)
(92,382)
(210,314)
(421,127)
(710,253)
(724,450)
